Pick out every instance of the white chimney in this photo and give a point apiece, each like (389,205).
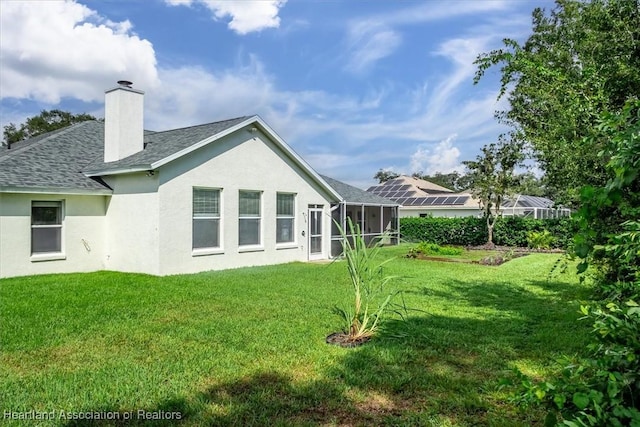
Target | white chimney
(123,122)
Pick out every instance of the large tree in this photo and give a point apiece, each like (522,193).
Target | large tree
(493,178)
(44,122)
(582,60)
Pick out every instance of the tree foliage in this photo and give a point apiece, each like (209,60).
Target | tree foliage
(603,387)
(453,180)
(384,175)
(531,185)
(608,211)
(493,178)
(582,59)
(44,122)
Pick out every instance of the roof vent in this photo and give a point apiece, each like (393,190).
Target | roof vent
(125,83)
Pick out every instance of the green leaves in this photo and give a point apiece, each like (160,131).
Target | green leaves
(46,121)
(579,62)
(581,400)
(492,177)
(367,283)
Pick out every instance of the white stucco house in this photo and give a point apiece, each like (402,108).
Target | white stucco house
(110,195)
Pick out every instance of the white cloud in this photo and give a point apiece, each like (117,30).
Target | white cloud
(246,16)
(440,10)
(461,52)
(193,95)
(373,38)
(444,158)
(368,43)
(59,49)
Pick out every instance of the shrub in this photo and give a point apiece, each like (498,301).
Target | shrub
(471,231)
(540,239)
(465,231)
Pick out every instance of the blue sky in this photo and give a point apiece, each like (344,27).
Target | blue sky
(352,85)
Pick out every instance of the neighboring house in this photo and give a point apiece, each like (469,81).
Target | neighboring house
(418,197)
(109,195)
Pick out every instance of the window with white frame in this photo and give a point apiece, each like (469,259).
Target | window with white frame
(206,218)
(285,218)
(46,227)
(249,218)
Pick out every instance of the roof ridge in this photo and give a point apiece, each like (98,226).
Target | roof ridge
(200,125)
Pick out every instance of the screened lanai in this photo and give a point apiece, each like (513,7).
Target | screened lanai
(376,216)
(533,207)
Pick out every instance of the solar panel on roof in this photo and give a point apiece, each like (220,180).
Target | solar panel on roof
(439,200)
(449,201)
(462,200)
(405,187)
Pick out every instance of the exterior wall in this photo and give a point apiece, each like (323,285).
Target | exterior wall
(83,234)
(132,227)
(146,224)
(241,161)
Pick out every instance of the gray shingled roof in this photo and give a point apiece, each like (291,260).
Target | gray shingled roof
(352,194)
(160,145)
(54,160)
(58,160)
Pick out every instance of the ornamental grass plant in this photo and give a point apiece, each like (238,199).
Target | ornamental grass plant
(371,299)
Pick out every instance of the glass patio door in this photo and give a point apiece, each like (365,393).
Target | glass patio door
(315,233)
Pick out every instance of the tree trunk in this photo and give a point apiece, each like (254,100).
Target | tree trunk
(490,225)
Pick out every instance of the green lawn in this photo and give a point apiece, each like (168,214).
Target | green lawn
(246,347)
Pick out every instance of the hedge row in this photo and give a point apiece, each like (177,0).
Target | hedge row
(471,231)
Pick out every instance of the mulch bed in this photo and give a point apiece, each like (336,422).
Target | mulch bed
(343,340)
(514,249)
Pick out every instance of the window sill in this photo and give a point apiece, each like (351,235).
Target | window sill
(206,251)
(51,256)
(291,245)
(252,248)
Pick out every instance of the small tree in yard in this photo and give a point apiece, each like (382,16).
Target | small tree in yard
(493,178)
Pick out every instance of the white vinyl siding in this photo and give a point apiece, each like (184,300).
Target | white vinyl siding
(285,218)
(206,218)
(250,220)
(46,227)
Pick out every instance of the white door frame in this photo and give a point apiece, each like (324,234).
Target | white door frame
(315,215)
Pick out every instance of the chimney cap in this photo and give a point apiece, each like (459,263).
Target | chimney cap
(125,83)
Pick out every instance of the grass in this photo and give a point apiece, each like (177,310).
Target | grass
(246,346)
